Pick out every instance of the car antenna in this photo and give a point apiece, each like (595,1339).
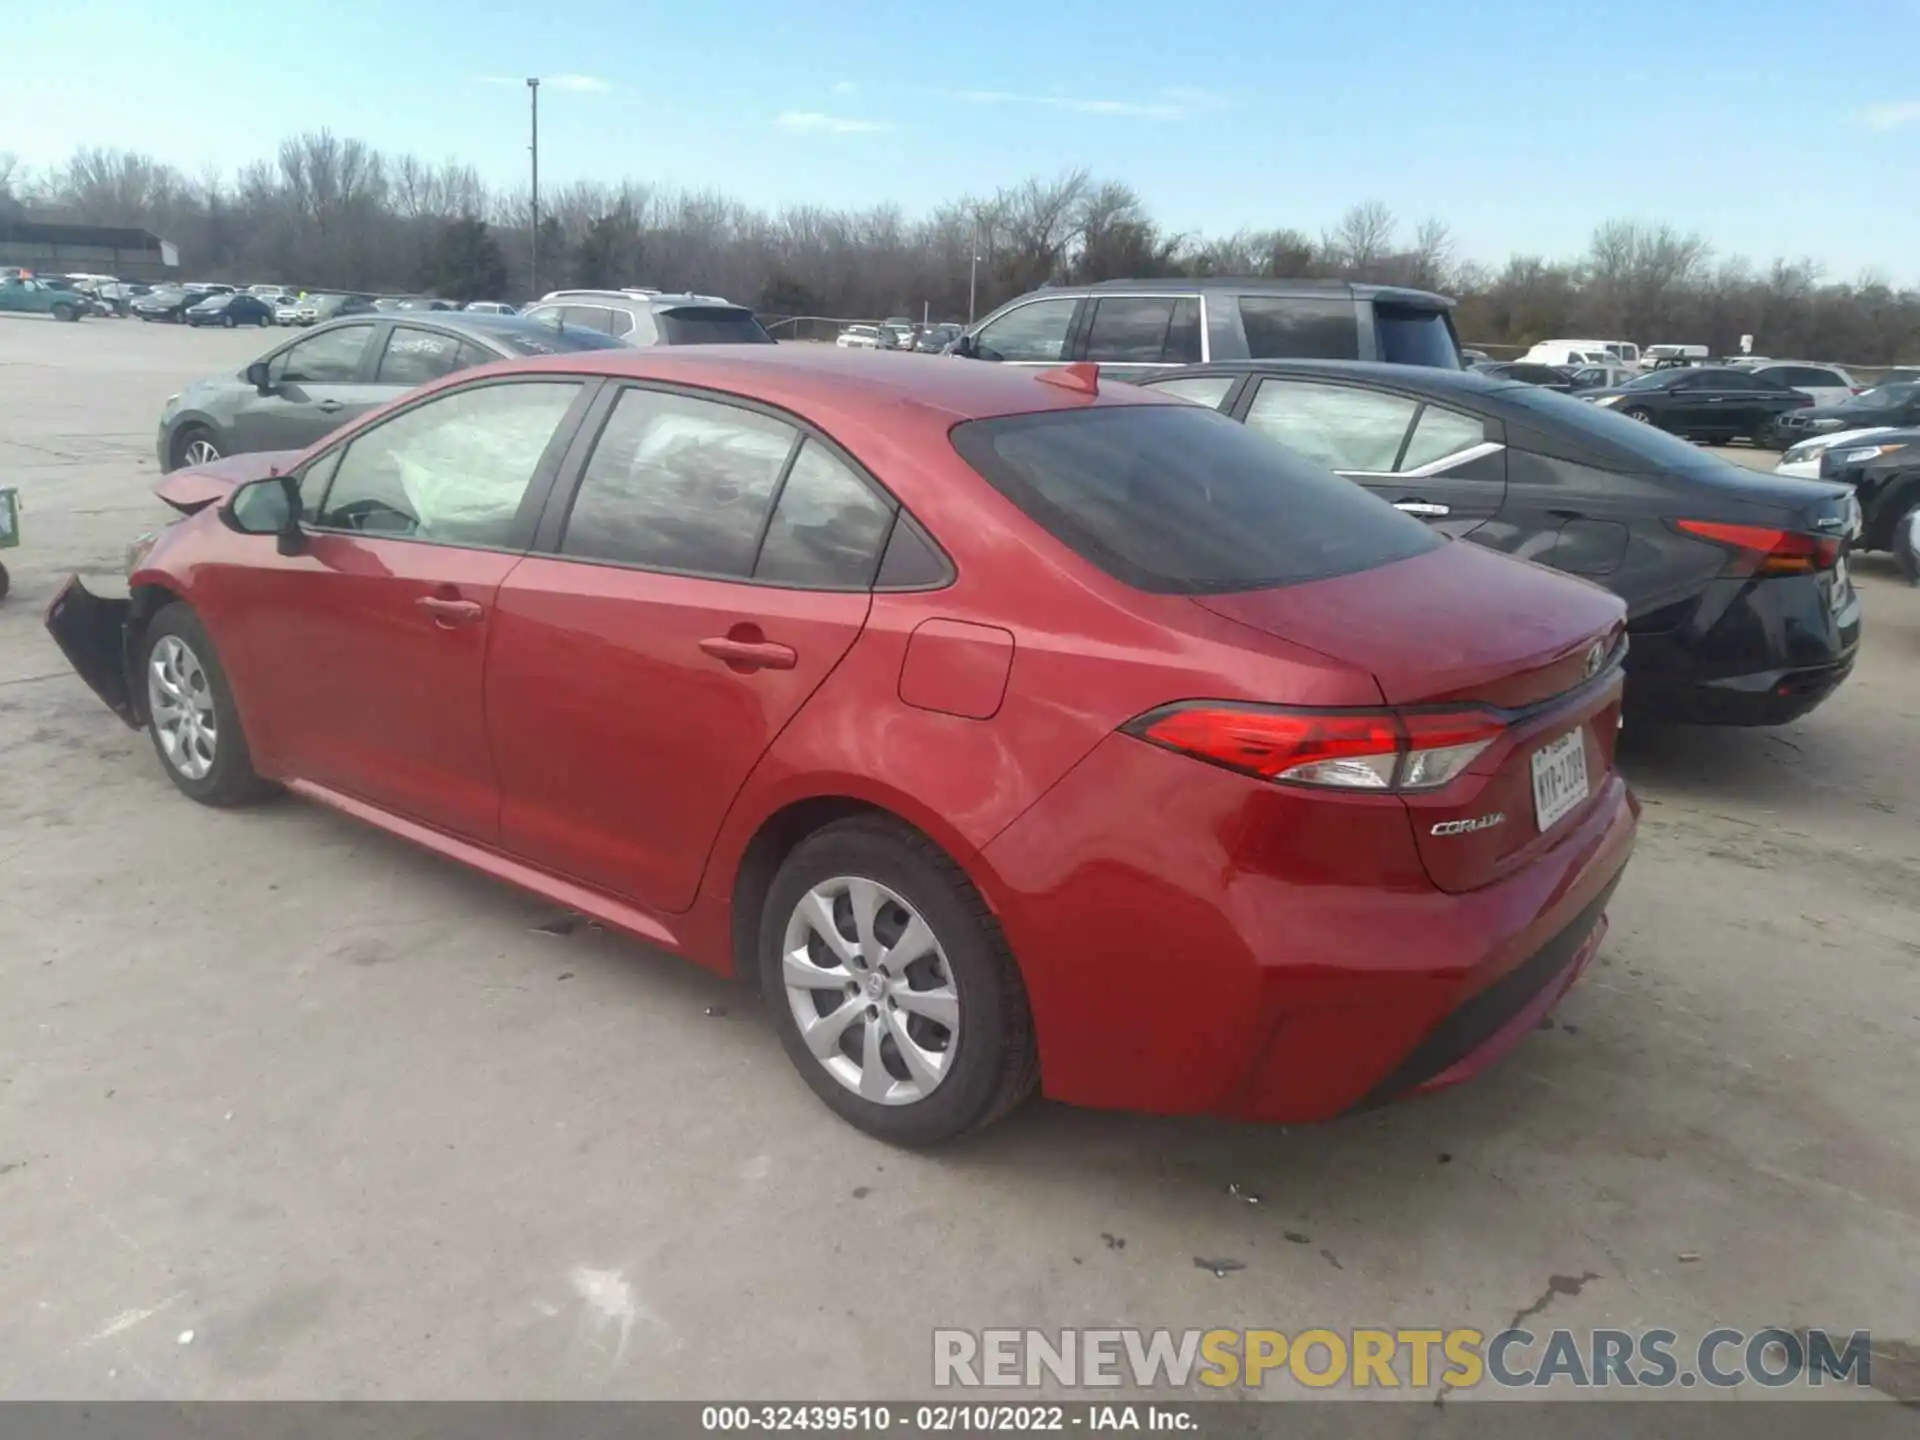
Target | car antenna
(1082,375)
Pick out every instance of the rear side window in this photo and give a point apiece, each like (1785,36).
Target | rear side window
(413,357)
(1178,500)
(676,483)
(827,527)
(1279,328)
(1145,330)
(1412,336)
(1804,375)
(710,325)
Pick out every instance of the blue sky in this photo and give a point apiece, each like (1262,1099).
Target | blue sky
(1767,126)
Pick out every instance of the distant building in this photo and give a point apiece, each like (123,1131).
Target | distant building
(59,249)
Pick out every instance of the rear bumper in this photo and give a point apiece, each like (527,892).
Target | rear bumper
(1747,653)
(1188,951)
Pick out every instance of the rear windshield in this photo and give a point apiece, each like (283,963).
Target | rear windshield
(1647,446)
(1410,336)
(710,325)
(530,337)
(1179,500)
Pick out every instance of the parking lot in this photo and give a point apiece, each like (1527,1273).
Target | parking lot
(289,1109)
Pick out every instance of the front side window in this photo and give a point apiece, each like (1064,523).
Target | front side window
(329,358)
(413,357)
(1208,390)
(1280,328)
(454,470)
(1176,500)
(827,528)
(1145,330)
(677,483)
(1337,426)
(1033,333)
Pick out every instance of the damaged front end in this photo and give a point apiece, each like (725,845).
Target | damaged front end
(95,635)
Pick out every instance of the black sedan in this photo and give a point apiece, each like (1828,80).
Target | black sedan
(1711,403)
(1888,403)
(301,390)
(1739,604)
(169,303)
(1884,471)
(230,310)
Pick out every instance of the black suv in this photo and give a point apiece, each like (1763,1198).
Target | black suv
(1136,328)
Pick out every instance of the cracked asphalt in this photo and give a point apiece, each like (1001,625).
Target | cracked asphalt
(290,1110)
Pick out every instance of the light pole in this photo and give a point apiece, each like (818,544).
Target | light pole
(533,260)
(973,269)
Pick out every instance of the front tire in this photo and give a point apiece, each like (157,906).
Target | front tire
(1639,413)
(195,445)
(65,314)
(892,988)
(191,714)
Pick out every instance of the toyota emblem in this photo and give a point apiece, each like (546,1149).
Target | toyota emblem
(1596,657)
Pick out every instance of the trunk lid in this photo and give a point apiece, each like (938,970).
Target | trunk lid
(190,491)
(1463,627)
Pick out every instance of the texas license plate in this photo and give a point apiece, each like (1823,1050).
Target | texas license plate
(1559,778)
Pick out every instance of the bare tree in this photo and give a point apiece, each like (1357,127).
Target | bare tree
(1362,240)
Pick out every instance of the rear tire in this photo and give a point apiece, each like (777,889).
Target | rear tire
(191,715)
(6,582)
(968,1069)
(1766,435)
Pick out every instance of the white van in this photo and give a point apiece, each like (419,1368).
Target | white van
(1584,352)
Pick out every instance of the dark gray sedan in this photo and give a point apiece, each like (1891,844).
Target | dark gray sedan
(309,386)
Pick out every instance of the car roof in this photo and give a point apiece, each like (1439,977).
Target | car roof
(806,378)
(639,299)
(1262,285)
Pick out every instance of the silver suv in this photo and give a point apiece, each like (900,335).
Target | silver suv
(650,317)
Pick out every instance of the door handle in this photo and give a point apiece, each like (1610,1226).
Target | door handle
(330,406)
(449,614)
(1425,508)
(750,654)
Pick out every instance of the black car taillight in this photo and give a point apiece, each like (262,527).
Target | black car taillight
(1340,749)
(1763,550)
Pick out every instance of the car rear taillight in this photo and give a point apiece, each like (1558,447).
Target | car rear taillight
(1763,550)
(1385,750)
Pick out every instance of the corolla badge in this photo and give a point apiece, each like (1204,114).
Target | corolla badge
(1467,827)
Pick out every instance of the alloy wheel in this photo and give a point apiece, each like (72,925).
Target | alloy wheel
(871,990)
(200,451)
(180,700)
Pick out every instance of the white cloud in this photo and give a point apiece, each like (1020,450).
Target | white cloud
(554,82)
(1892,115)
(844,87)
(1175,104)
(813,121)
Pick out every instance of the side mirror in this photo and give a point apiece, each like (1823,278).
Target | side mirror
(269,507)
(962,346)
(258,377)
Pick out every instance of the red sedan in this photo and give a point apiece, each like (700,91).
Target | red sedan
(1008,729)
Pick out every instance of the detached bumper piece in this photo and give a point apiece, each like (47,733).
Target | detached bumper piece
(1493,1021)
(92,634)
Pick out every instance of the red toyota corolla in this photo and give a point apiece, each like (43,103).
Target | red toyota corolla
(1009,729)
